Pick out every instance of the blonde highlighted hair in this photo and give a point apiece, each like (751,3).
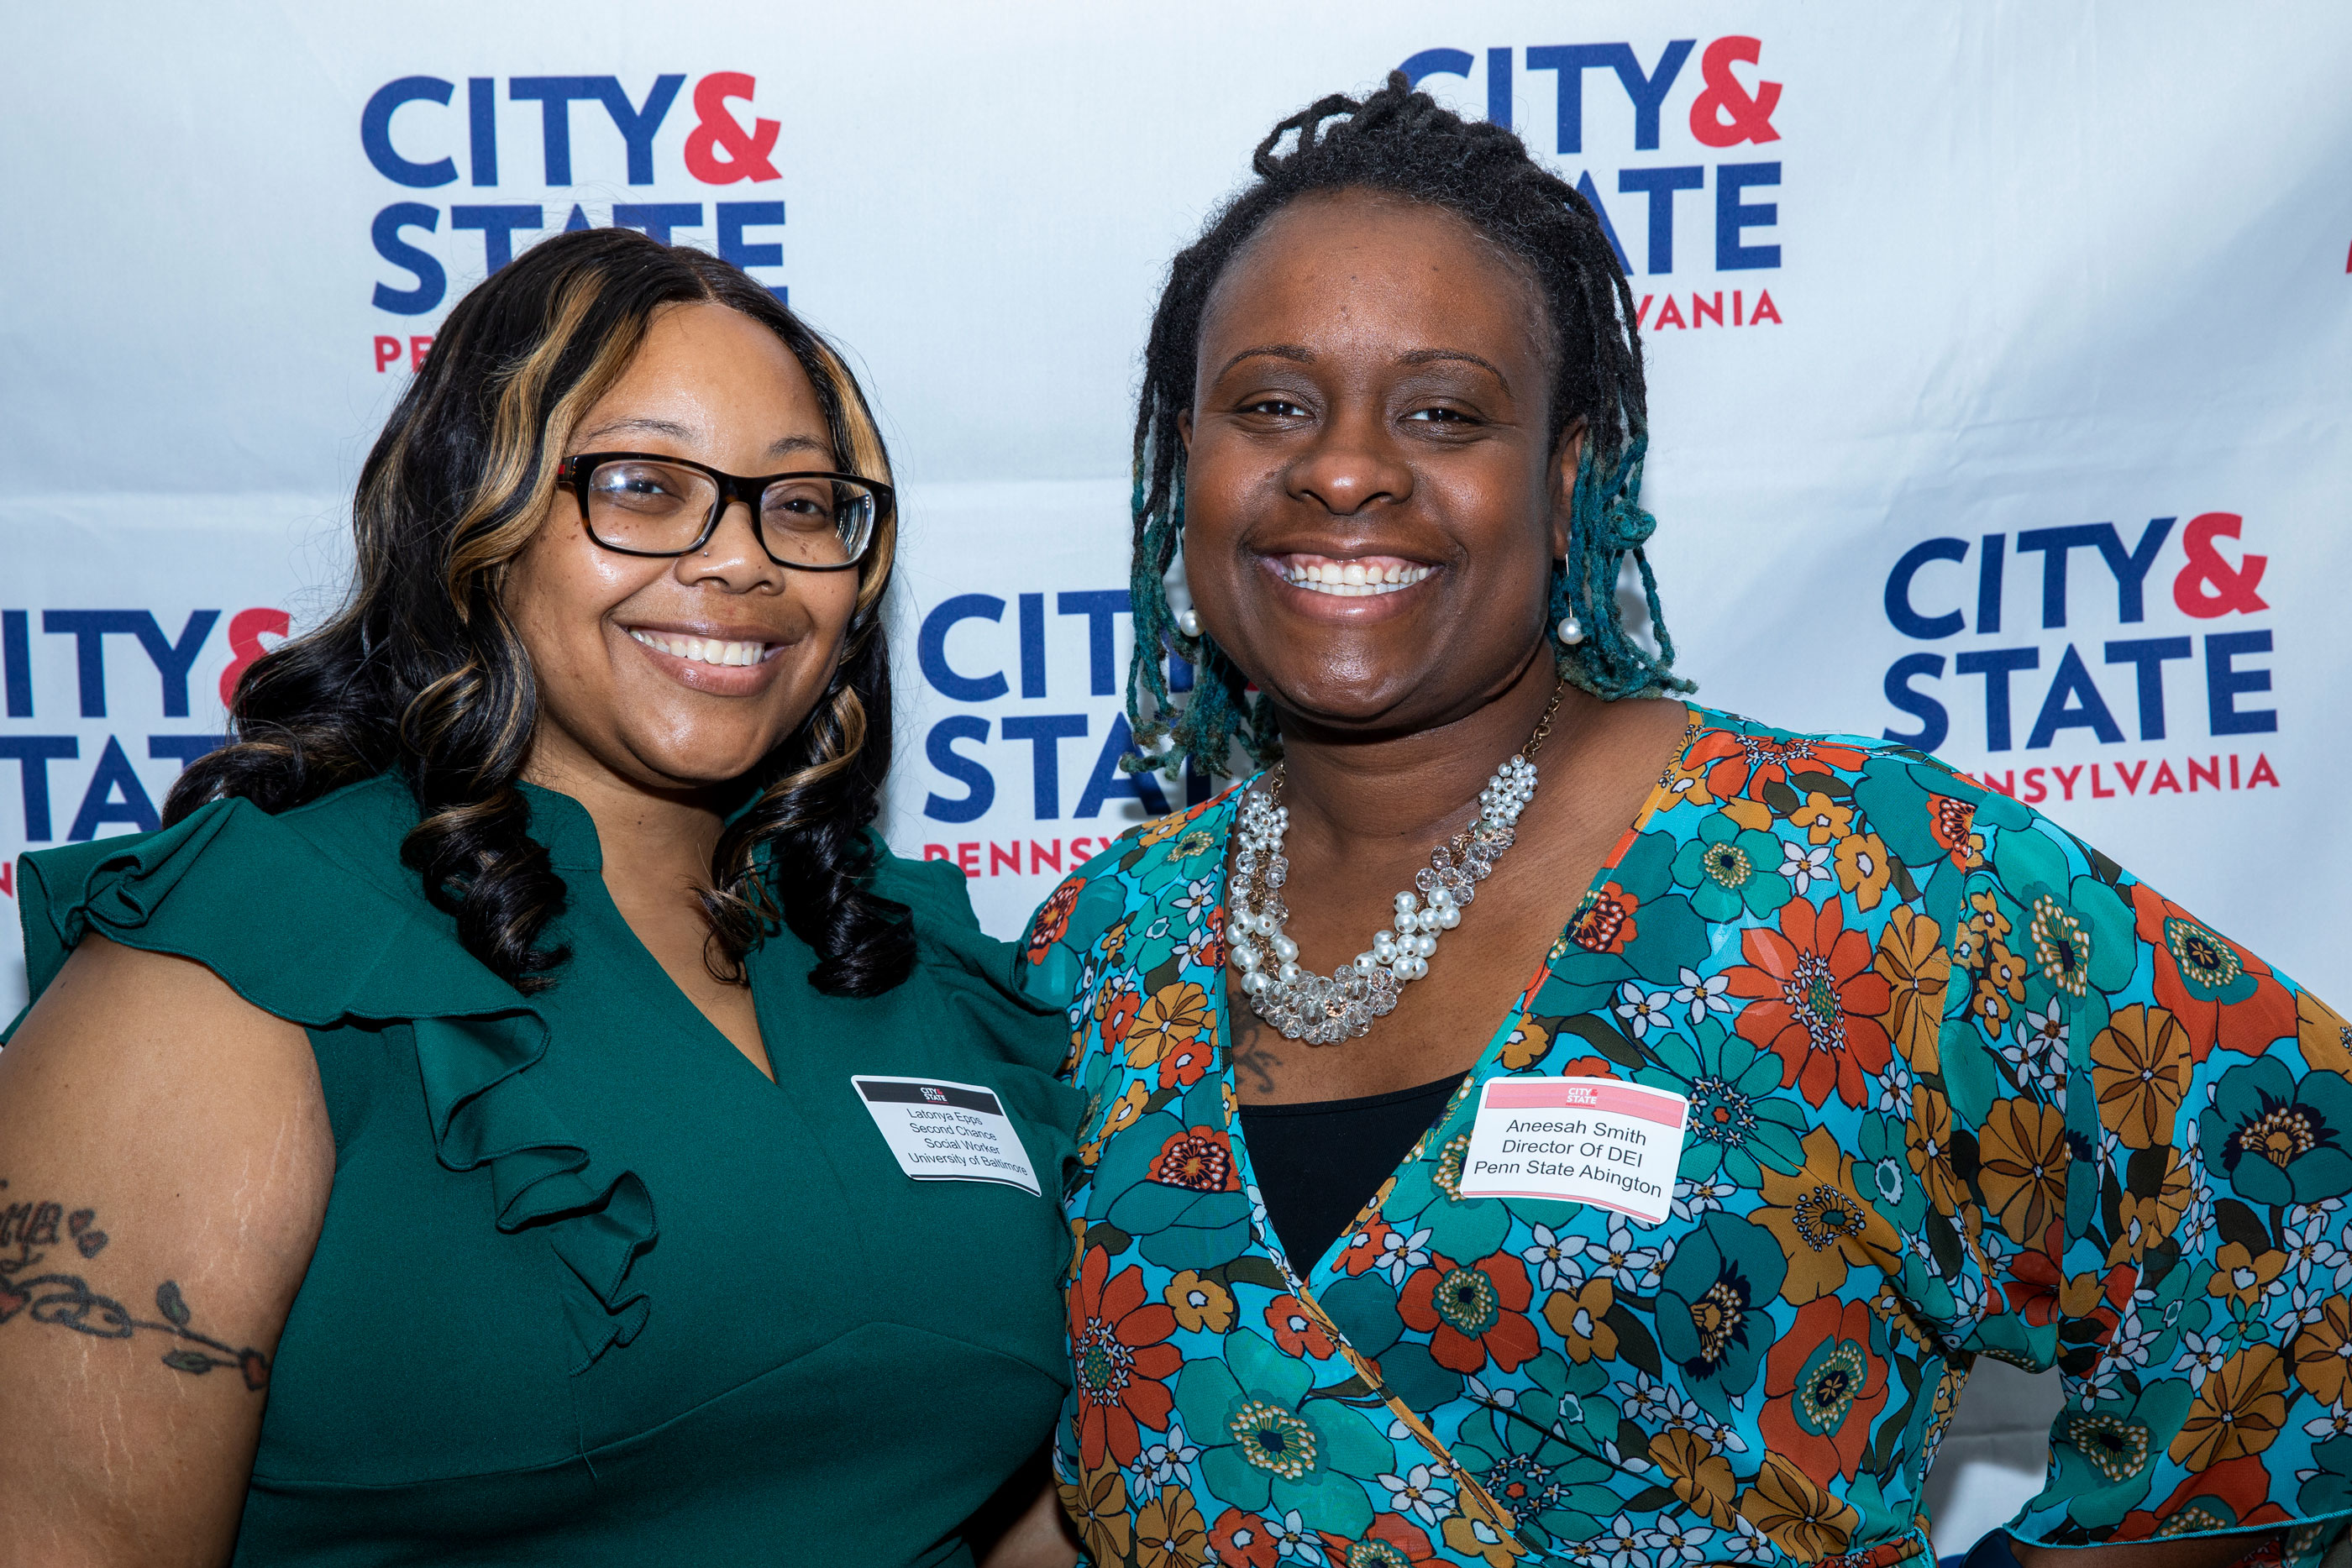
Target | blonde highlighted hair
(421,673)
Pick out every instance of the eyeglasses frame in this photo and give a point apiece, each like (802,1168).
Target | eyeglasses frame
(576,471)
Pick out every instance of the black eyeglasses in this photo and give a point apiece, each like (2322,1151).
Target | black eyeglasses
(639,503)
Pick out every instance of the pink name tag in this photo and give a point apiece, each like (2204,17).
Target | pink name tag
(1578,1140)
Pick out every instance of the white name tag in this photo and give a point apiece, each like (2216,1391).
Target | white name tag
(947,1132)
(1587,1140)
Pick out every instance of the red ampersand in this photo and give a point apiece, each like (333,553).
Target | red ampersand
(1725,113)
(747,151)
(245,630)
(2208,585)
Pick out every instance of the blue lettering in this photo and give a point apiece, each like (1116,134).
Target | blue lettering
(931,653)
(375,132)
(1899,609)
(980,788)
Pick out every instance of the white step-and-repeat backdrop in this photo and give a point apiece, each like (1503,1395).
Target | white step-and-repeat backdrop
(2001,356)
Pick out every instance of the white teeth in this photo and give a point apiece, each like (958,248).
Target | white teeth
(1353,580)
(703,650)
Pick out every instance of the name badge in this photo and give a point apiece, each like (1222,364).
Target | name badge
(1614,1145)
(947,1132)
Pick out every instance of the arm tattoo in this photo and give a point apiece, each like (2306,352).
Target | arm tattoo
(27,1232)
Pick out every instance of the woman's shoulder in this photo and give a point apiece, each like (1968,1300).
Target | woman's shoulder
(307,913)
(2025,911)
(1175,860)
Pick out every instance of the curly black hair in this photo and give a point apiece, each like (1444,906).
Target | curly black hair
(1401,142)
(421,673)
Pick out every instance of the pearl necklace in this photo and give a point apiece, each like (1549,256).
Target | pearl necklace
(1306,1006)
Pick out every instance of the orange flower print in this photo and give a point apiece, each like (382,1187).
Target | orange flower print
(2222,994)
(1241,1541)
(1604,921)
(1199,1159)
(1366,1248)
(1824,1387)
(1735,764)
(1053,919)
(1115,1008)
(1296,1329)
(1953,824)
(1120,1353)
(1473,1313)
(1814,1001)
(1186,1062)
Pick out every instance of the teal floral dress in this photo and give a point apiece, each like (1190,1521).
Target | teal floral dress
(1958,1086)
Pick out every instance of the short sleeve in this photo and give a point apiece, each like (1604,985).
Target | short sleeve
(2153,1133)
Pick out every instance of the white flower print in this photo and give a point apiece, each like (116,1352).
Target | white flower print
(2201,1357)
(1693,1198)
(1702,997)
(1169,1463)
(2335,1423)
(1643,1011)
(1419,1493)
(1293,1542)
(1617,1260)
(1554,1264)
(1675,1542)
(1803,866)
(1619,1545)
(1400,1254)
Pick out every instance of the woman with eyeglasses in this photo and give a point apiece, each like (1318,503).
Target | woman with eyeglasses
(516,1109)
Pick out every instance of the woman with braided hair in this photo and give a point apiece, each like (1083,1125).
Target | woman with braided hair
(516,1110)
(1764,1081)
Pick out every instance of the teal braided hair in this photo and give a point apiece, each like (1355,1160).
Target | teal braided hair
(1401,142)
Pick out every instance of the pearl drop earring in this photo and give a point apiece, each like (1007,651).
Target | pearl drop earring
(1188,622)
(1570,631)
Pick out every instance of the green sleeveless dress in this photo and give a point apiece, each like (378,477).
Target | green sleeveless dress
(590,1289)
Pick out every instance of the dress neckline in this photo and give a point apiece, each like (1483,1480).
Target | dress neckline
(1321,1271)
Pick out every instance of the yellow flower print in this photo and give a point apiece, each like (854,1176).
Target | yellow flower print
(1478,1541)
(1700,1477)
(1911,957)
(1821,1223)
(1749,813)
(1526,1045)
(1863,869)
(1927,1144)
(2242,1276)
(2237,1412)
(1121,1115)
(1985,918)
(1160,828)
(2323,1351)
(2022,1166)
(2001,988)
(1114,941)
(1577,1316)
(2143,1222)
(1169,1532)
(1098,1506)
(1173,1015)
(2324,1036)
(1199,1304)
(1823,819)
(2140,1065)
(1795,1514)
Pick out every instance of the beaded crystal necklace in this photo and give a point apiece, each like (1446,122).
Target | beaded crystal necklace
(1306,1006)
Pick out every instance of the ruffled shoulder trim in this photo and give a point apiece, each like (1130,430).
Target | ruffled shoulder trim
(298,915)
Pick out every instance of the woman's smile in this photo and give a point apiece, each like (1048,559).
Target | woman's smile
(1350,577)
(727,661)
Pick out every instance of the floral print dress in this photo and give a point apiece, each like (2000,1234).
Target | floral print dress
(1959,1086)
